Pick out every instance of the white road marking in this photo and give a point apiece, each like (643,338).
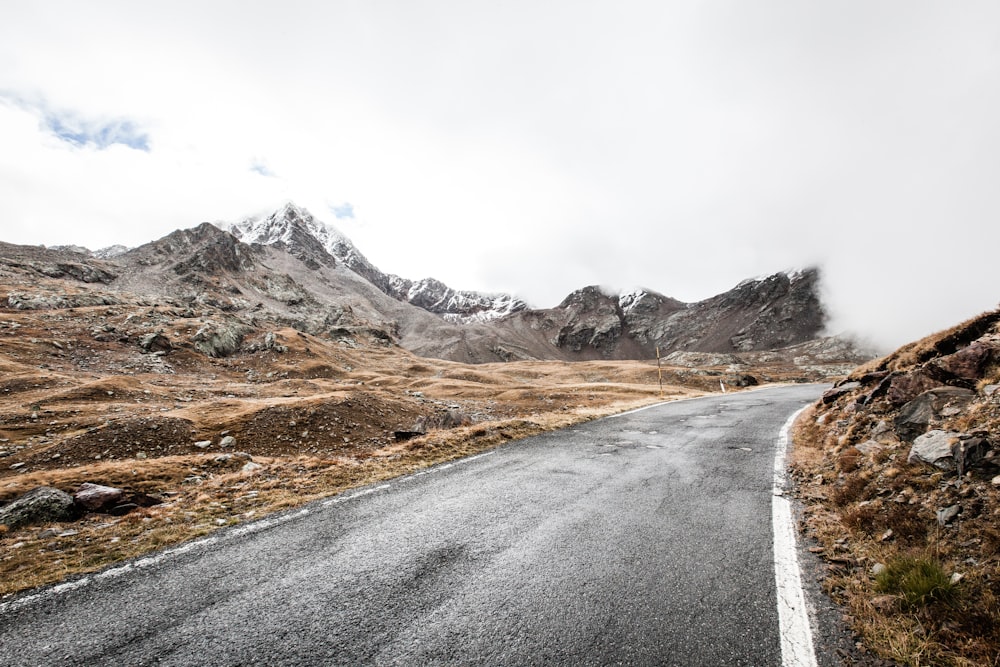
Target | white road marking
(356,494)
(794,615)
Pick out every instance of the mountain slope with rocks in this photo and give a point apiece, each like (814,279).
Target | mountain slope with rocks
(899,466)
(778,311)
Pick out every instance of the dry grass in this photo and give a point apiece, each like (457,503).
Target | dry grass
(38,556)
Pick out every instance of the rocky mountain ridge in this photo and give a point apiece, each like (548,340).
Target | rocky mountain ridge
(291,270)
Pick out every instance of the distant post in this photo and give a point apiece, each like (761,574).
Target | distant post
(659,370)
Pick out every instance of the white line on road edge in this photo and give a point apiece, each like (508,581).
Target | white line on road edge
(356,494)
(793,613)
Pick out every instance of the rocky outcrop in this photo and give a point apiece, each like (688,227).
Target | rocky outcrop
(927,394)
(203,250)
(290,228)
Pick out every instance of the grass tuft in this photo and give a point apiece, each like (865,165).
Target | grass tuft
(918,581)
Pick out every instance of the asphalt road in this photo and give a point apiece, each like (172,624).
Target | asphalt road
(639,540)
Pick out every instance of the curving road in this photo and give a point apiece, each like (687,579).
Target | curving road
(640,539)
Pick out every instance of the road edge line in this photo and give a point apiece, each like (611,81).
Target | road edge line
(794,614)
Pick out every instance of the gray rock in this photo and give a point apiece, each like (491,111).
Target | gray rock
(935,447)
(990,389)
(39,505)
(155,342)
(203,444)
(97,498)
(251,468)
(904,387)
(946,514)
(831,395)
(220,340)
(916,416)
(227,441)
(869,447)
(970,452)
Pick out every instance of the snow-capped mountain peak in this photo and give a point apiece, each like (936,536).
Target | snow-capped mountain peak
(300,232)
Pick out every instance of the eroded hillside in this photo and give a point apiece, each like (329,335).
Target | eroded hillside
(899,466)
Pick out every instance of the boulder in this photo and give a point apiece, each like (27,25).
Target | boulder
(969,363)
(935,447)
(227,441)
(40,505)
(970,452)
(869,447)
(831,395)
(915,417)
(744,380)
(904,387)
(155,342)
(97,498)
(220,340)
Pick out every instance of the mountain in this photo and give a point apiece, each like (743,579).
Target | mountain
(289,269)
(315,242)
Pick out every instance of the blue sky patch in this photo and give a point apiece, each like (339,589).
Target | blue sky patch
(343,211)
(101,135)
(76,130)
(262,169)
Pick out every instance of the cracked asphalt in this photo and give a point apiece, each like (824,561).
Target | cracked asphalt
(642,539)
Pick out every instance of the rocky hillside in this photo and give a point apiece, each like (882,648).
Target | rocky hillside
(899,465)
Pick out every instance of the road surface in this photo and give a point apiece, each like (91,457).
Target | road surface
(638,540)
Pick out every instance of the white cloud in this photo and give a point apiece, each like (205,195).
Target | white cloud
(532,147)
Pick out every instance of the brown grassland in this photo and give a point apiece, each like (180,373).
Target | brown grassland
(319,417)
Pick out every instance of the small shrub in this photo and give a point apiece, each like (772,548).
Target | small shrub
(918,581)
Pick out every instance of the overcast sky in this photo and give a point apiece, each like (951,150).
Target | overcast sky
(533,147)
